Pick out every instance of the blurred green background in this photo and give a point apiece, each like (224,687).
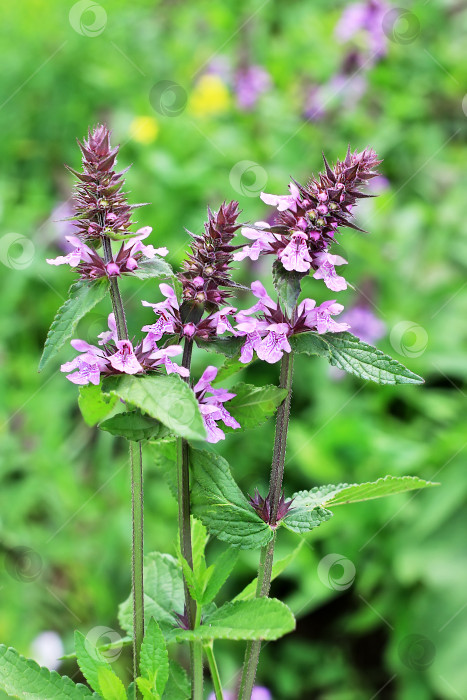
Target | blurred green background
(169,77)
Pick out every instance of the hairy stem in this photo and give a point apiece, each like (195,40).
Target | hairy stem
(137,505)
(216,681)
(184,524)
(137,551)
(267,552)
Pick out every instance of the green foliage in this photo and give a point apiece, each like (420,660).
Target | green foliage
(261,618)
(288,286)
(134,425)
(91,662)
(150,269)
(165,398)
(111,687)
(253,405)
(154,661)
(82,297)
(229,347)
(345,351)
(163,586)
(221,506)
(386,486)
(25,679)
(94,405)
(178,685)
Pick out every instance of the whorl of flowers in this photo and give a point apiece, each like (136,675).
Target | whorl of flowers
(101,210)
(310,216)
(206,275)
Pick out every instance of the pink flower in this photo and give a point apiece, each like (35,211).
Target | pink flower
(211,407)
(283,202)
(295,255)
(261,242)
(273,346)
(125,359)
(327,272)
(79,253)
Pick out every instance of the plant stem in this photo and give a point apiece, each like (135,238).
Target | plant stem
(137,499)
(267,552)
(184,524)
(214,671)
(137,550)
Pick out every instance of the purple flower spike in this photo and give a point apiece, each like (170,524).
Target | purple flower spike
(263,507)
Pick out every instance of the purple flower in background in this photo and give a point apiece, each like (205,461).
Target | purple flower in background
(249,84)
(212,407)
(267,334)
(364,18)
(364,323)
(343,90)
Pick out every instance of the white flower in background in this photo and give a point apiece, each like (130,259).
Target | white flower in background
(46,649)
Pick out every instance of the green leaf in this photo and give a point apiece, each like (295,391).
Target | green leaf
(278,567)
(231,366)
(114,236)
(168,399)
(82,297)
(24,679)
(253,405)
(163,593)
(178,685)
(347,352)
(90,660)
(111,687)
(261,618)
(221,506)
(93,404)
(134,425)
(386,486)
(149,269)
(144,686)
(219,573)
(164,454)
(305,513)
(154,660)
(229,347)
(287,284)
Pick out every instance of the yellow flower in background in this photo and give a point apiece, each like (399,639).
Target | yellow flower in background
(144,129)
(210,96)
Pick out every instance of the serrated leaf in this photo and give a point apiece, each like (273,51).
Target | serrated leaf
(230,347)
(305,513)
(347,352)
(24,679)
(111,687)
(288,286)
(386,486)
(89,660)
(163,593)
(150,269)
(165,398)
(134,425)
(278,567)
(261,618)
(220,504)
(219,574)
(231,366)
(82,297)
(93,404)
(154,659)
(178,685)
(253,405)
